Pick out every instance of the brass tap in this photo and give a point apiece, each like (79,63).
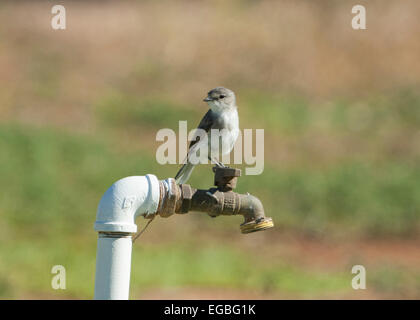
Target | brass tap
(181,199)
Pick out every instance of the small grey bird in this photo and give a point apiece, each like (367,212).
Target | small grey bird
(222,115)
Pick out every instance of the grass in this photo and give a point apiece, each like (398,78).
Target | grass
(356,197)
(121,111)
(163,266)
(52,181)
(217,267)
(66,174)
(279,114)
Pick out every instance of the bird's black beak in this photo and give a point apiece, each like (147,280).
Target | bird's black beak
(207,99)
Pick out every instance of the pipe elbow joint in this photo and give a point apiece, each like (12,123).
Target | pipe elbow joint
(251,208)
(124,201)
(254,216)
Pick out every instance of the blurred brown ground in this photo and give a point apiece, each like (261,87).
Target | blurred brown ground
(302,46)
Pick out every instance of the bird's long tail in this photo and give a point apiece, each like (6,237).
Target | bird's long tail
(184,173)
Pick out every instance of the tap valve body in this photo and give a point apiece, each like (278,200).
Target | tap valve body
(181,199)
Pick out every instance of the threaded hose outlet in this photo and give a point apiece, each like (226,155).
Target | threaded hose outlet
(257,225)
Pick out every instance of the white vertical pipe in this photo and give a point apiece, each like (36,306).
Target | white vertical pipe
(125,200)
(112,280)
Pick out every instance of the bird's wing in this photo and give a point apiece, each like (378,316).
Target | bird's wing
(205,124)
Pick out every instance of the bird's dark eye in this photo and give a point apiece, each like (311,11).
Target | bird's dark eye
(222,96)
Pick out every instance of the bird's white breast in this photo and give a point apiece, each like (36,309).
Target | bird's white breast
(230,121)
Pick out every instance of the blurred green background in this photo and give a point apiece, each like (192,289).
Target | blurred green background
(80,108)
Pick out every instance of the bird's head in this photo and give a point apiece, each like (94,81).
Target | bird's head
(220,99)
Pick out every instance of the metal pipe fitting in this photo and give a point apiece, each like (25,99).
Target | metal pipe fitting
(115,223)
(180,199)
(146,196)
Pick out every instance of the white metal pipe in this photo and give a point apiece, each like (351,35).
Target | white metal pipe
(118,209)
(112,281)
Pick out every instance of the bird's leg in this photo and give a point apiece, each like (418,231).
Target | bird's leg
(218,163)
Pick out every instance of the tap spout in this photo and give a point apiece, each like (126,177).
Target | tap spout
(183,198)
